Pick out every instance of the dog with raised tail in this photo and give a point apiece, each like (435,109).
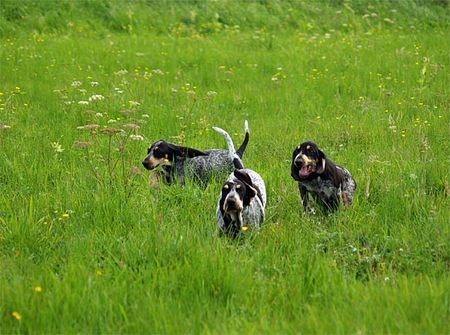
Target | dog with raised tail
(242,201)
(179,163)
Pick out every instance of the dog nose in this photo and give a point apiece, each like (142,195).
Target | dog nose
(231,201)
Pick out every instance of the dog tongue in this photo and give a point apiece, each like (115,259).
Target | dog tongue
(304,171)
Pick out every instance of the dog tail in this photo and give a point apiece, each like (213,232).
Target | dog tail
(237,161)
(240,151)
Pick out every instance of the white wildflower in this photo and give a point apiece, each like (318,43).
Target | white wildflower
(82,90)
(83,102)
(137,137)
(57,147)
(158,71)
(94,83)
(211,93)
(134,103)
(121,72)
(98,114)
(174,90)
(111,121)
(96,97)
(76,83)
(145,116)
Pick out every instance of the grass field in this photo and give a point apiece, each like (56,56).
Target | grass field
(86,246)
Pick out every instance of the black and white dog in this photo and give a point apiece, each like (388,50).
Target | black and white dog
(242,201)
(179,163)
(327,182)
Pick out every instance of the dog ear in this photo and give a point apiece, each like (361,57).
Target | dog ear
(185,151)
(190,153)
(294,171)
(245,178)
(321,163)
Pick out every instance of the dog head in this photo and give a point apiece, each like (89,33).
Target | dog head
(236,195)
(307,161)
(162,153)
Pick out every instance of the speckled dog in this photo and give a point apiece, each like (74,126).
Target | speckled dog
(242,201)
(179,163)
(327,182)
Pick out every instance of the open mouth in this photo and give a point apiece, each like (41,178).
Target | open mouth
(305,170)
(154,164)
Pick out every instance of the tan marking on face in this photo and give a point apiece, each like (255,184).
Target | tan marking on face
(226,187)
(154,162)
(239,203)
(238,186)
(308,147)
(156,148)
(166,156)
(307,161)
(298,147)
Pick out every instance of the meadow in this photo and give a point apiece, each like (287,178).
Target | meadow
(88,245)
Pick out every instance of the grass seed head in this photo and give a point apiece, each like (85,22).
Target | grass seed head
(111,131)
(81,144)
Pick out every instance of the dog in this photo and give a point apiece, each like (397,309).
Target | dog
(242,201)
(328,183)
(179,163)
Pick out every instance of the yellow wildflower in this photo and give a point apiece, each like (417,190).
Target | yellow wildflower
(16,315)
(38,289)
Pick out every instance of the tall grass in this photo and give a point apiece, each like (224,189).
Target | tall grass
(86,245)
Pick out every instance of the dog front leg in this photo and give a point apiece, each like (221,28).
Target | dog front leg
(304,198)
(345,199)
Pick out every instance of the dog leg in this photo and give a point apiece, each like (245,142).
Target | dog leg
(345,200)
(305,201)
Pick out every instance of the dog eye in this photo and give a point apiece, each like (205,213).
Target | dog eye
(238,186)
